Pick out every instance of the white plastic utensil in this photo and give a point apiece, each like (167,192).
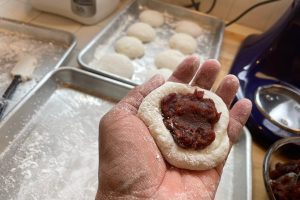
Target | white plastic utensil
(22,71)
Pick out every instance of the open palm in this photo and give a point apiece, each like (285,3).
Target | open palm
(131,165)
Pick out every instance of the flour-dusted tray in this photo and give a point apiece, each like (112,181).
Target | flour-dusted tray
(49,46)
(236,181)
(49,142)
(208,43)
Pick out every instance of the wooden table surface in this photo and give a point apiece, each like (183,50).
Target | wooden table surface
(233,37)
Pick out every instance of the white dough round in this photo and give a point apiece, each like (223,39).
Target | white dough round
(207,158)
(115,63)
(142,31)
(169,59)
(130,46)
(189,28)
(166,73)
(183,42)
(152,17)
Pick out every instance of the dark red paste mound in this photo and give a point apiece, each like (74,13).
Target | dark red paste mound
(190,118)
(286,180)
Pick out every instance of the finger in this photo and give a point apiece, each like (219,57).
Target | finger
(238,117)
(207,74)
(131,102)
(186,70)
(228,88)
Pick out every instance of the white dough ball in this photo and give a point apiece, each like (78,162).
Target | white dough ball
(169,59)
(130,46)
(189,28)
(142,31)
(166,73)
(183,42)
(115,63)
(152,17)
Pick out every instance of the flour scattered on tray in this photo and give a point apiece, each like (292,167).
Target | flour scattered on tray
(13,45)
(56,154)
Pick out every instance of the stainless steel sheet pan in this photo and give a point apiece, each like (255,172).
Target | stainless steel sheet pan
(209,42)
(236,181)
(49,142)
(49,46)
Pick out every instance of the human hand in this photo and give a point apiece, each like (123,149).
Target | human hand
(131,165)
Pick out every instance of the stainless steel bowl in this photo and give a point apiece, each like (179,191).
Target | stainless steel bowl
(281,105)
(281,151)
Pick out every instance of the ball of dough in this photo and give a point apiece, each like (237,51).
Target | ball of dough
(166,73)
(130,46)
(115,63)
(183,42)
(152,17)
(169,59)
(142,31)
(189,28)
(204,159)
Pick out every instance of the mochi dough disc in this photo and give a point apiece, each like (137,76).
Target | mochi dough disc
(142,31)
(189,28)
(130,46)
(115,63)
(152,17)
(169,59)
(183,42)
(204,159)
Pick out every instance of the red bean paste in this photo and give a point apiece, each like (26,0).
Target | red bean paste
(190,118)
(285,181)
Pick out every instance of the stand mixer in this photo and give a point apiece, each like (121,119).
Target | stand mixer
(268,68)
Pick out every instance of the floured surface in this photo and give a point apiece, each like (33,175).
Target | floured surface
(56,154)
(13,45)
(236,181)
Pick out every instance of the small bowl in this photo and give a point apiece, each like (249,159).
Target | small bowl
(283,150)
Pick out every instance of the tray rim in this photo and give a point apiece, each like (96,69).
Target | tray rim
(82,52)
(249,162)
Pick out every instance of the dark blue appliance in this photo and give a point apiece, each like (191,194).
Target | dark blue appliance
(268,68)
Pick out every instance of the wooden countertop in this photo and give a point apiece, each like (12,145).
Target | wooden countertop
(233,37)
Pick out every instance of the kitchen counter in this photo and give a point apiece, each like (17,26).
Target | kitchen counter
(233,36)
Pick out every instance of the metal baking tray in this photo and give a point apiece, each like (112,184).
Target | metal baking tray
(50,47)
(50,141)
(209,43)
(236,181)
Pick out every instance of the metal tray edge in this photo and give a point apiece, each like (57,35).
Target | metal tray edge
(249,162)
